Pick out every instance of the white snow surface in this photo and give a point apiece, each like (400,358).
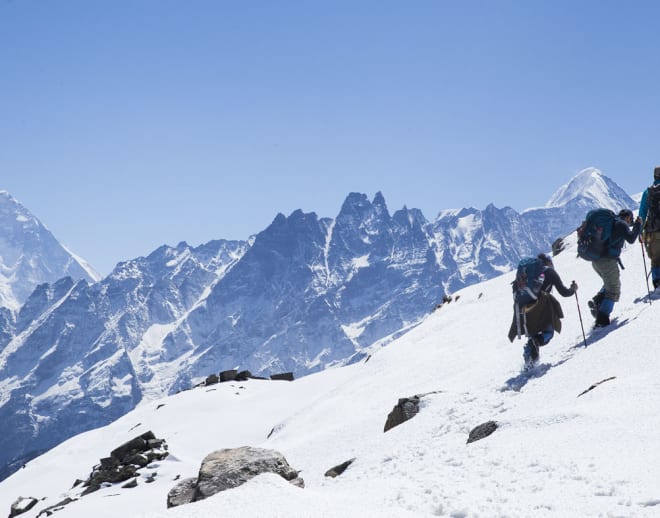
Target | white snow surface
(554,453)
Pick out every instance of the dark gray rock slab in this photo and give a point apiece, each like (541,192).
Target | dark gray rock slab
(229,375)
(482,431)
(404,410)
(339,468)
(286,376)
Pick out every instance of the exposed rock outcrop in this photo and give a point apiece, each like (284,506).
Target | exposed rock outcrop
(22,505)
(229,468)
(48,511)
(228,375)
(125,461)
(286,376)
(558,246)
(405,409)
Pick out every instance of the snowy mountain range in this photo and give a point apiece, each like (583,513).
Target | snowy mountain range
(575,438)
(304,294)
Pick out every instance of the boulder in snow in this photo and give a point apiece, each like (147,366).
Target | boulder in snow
(405,409)
(229,468)
(482,431)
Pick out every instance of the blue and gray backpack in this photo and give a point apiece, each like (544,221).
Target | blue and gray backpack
(594,235)
(529,279)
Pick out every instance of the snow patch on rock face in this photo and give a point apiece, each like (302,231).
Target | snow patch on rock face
(64,391)
(150,347)
(361,262)
(353,331)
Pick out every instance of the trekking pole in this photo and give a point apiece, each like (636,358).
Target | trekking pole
(580,315)
(646,275)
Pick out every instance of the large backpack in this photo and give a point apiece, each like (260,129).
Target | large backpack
(653,214)
(529,278)
(594,235)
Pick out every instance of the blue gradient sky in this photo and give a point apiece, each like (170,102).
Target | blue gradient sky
(125,125)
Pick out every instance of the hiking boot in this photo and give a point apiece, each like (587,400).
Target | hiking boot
(595,302)
(535,344)
(531,352)
(602,319)
(593,308)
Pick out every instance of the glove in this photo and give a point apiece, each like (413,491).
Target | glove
(574,286)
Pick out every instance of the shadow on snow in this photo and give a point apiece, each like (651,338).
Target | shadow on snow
(516,383)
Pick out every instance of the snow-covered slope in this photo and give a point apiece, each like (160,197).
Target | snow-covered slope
(304,294)
(555,453)
(30,255)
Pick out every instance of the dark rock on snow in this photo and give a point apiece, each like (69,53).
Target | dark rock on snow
(243,376)
(22,505)
(125,461)
(482,431)
(211,379)
(286,376)
(229,375)
(57,507)
(558,246)
(405,409)
(339,468)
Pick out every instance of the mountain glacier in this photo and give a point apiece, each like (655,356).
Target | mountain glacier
(304,294)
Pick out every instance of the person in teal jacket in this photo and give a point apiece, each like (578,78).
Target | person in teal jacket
(649,212)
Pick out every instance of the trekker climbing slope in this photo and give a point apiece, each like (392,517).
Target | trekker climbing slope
(607,266)
(649,212)
(537,313)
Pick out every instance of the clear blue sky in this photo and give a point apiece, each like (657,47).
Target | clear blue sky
(125,125)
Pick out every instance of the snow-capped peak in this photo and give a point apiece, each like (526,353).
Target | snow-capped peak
(590,183)
(31,255)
